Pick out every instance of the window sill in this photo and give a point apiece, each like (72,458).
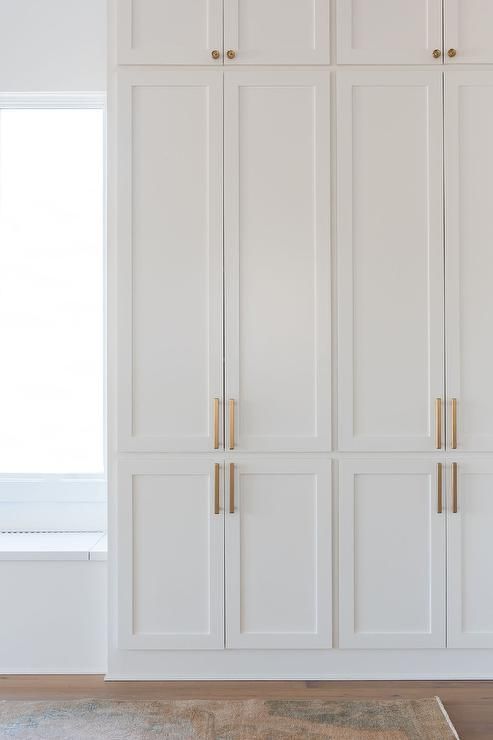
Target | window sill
(53,546)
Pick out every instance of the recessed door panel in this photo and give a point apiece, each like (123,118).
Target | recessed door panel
(468,31)
(390,259)
(277,259)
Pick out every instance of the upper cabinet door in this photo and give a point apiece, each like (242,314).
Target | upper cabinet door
(278,555)
(391,554)
(276,31)
(169,31)
(470,554)
(277,258)
(170,555)
(469,255)
(390,259)
(389,31)
(169,235)
(468,31)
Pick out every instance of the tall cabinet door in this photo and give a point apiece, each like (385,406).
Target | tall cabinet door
(470,555)
(277,32)
(168,31)
(468,31)
(170,555)
(391,555)
(469,229)
(277,259)
(169,234)
(278,554)
(389,31)
(390,259)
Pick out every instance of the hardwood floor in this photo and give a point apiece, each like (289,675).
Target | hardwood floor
(469,703)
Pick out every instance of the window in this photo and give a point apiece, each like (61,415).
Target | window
(51,291)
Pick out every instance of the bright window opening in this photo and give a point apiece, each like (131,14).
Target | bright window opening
(51,290)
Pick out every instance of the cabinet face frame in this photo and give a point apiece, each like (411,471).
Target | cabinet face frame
(461,556)
(128,53)
(346,54)
(128,439)
(318,53)
(349,438)
(453,39)
(433,540)
(455,83)
(319,83)
(128,638)
(237,636)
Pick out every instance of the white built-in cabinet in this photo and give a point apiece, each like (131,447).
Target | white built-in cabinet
(191,528)
(223,32)
(414,31)
(239,155)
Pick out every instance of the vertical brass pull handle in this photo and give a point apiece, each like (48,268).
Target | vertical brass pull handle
(439,488)
(215,430)
(216,488)
(438,423)
(455,485)
(231,488)
(231,424)
(454,424)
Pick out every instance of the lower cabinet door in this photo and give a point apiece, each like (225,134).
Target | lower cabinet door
(278,554)
(170,555)
(392,554)
(470,555)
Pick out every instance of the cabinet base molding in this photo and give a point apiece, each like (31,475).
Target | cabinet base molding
(279,665)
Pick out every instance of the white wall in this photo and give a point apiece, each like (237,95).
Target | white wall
(52,45)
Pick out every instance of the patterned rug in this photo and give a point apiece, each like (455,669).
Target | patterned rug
(93,719)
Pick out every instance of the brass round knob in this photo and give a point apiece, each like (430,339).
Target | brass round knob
(452,53)
(437,53)
(231,54)
(215,54)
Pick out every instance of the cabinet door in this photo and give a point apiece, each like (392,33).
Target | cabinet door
(169,236)
(470,557)
(278,555)
(277,259)
(469,31)
(392,555)
(389,31)
(390,259)
(168,31)
(469,229)
(277,32)
(170,555)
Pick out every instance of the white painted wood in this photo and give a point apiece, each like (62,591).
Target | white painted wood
(469,254)
(470,554)
(171,556)
(277,259)
(389,31)
(169,259)
(48,545)
(168,31)
(469,30)
(390,259)
(278,555)
(277,32)
(392,555)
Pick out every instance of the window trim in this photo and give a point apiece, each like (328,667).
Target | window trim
(55,489)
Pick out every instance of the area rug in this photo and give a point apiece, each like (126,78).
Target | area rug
(94,719)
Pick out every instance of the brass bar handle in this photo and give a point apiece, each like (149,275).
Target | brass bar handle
(454,424)
(439,488)
(215,431)
(216,488)
(455,486)
(231,424)
(438,423)
(231,488)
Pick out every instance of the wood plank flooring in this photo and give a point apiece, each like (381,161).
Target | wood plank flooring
(469,703)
